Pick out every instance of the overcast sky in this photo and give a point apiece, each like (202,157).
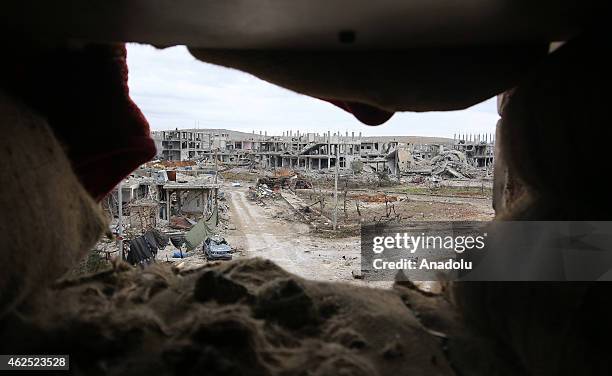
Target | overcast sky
(173,89)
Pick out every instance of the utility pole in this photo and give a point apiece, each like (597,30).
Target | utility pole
(216,189)
(216,167)
(120,217)
(335,217)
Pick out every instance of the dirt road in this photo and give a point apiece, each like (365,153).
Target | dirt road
(288,243)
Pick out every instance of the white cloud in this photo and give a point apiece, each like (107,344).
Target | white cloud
(173,89)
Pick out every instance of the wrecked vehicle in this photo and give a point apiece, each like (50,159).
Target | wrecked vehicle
(216,248)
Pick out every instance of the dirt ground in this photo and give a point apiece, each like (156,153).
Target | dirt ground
(358,206)
(263,230)
(277,228)
(289,228)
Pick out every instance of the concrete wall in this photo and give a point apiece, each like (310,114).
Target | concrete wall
(195,201)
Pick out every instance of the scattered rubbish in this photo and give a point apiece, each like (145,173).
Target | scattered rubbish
(260,191)
(378,198)
(143,249)
(447,164)
(177,240)
(179,196)
(170,164)
(302,184)
(275,182)
(179,254)
(180,223)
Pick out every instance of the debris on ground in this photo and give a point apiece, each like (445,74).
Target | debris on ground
(260,191)
(451,163)
(276,182)
(447,164)
(302,183)
(378,197)
(181,223)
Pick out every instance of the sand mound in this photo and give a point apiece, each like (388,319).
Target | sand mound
(246,317)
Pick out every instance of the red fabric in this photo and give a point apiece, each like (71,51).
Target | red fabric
(367,114)
(83,93)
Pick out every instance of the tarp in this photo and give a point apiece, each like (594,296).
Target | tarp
(202,230)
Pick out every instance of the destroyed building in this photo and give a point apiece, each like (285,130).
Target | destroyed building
(184,144)
(171,194)
(466,156)
(314,151)
(479,149)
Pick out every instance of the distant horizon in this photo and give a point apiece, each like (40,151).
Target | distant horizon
(174,90)
(363,134)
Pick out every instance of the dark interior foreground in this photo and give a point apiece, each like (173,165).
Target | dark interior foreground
(64,79)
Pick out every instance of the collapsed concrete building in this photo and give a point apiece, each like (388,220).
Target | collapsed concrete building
(182,183)
(308,151)
(479,149)
(314,151)
(465,157)
(167,193)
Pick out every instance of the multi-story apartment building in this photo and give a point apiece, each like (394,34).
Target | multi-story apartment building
(310,151)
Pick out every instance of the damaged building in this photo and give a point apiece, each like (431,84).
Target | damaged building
(151,194)
(314,151)
(479,149)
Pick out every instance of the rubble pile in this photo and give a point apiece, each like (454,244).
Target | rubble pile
(367,177)
(375,198)
(301,183)
(260,192)
(180,223)
(452,163)
(449,164)
(276,183)
(162,165)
